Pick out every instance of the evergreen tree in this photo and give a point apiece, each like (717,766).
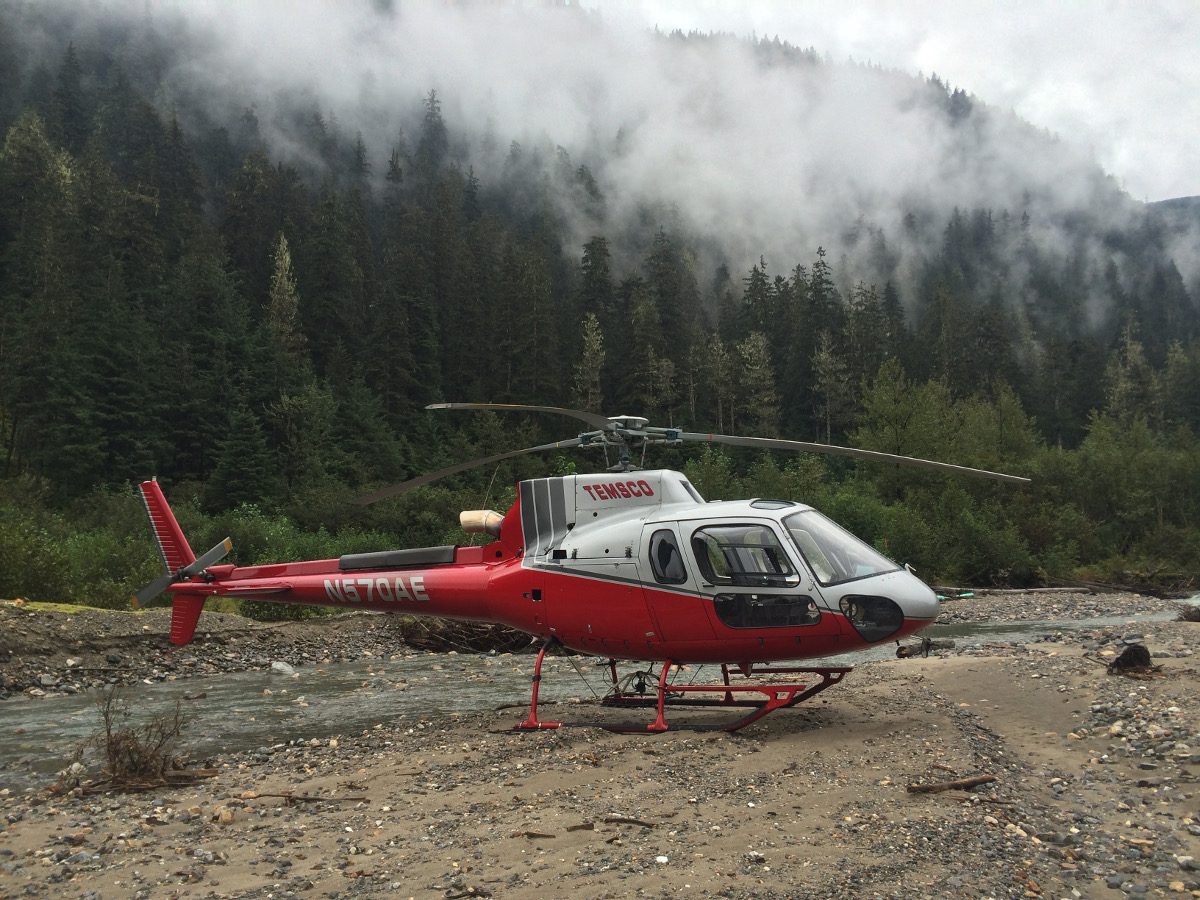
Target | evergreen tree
(370,451)
(219,360)
(1131,384)
(40,393)
(528,342)
(642,373)
(302,424)
(283,310)
(673,286)
(731,320)
(246,470)
(833,386)
(944,331)
(867,340)
(1181,386)
(757,298)
(434,142)
(262,201)
(896,335)
(758,402)
(360,167)
(589,392)
(720,382)
(69,115)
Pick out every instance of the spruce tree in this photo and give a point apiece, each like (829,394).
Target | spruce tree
(758,401)
(589,390)
(69,115)
(283,315)
(246,470)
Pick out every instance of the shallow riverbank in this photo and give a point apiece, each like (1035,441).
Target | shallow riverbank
(1095,796)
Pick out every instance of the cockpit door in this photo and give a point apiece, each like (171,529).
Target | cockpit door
(753,579)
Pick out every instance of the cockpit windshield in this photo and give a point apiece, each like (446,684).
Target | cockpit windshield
(834,554)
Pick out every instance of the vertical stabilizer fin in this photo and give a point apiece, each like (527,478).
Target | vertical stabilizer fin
(172,545)
(179,564)
(185,613)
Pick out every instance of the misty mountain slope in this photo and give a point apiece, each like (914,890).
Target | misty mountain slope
(241,247)
(757,147)
(462,164)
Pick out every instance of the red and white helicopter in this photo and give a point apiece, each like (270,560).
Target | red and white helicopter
(630,564)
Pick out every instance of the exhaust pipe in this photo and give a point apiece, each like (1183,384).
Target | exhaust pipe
(480,521)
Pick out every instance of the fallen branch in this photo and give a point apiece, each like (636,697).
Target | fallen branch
(964,784)
(1083,588)
(170,778)
(626,820)
(289,798)
(532,835)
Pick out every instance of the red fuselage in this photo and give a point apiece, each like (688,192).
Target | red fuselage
(583,563)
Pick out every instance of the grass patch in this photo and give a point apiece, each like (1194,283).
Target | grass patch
(69,609)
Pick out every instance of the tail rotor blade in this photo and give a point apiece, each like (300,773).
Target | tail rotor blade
(152,590)
(397,489)
(215,555)
(164,581)
(834,450)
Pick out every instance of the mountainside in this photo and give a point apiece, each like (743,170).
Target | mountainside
(245,271)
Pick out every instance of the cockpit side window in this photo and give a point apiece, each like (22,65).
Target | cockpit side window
(665,558)
(746,555)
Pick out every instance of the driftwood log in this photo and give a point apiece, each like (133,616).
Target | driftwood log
(441,635)
(922,647)
(959,784)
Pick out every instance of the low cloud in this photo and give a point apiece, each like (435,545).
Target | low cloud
(755,158)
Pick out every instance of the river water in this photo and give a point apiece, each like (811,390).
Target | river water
(249,710)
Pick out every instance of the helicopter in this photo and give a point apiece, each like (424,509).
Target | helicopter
(629,564)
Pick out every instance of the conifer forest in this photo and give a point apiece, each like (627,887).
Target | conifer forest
(254,296)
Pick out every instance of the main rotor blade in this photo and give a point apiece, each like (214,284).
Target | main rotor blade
(591,418)
(397,489)
(834,450)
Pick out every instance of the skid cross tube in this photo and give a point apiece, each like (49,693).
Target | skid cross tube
(778,696)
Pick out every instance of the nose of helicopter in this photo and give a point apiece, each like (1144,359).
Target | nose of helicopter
(917,600)
(889,606)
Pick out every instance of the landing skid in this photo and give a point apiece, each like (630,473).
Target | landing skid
(777,696)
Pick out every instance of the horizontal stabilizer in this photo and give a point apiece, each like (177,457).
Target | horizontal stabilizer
(257,590)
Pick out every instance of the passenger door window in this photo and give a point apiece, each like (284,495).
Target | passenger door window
(665,559)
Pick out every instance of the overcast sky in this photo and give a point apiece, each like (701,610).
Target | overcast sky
(1121,79)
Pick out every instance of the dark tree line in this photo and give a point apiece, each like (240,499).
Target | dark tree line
(182,302)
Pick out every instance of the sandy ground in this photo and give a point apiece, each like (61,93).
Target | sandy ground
(1095,796)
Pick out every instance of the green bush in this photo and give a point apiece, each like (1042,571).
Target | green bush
(32,562)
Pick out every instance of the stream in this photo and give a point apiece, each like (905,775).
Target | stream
(249,710)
